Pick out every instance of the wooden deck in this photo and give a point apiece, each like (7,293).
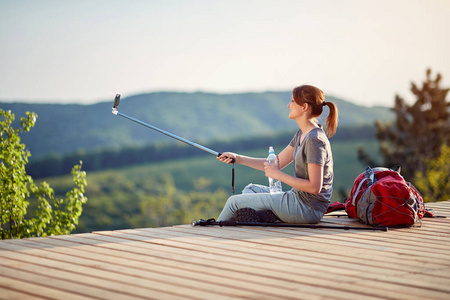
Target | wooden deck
(184,262)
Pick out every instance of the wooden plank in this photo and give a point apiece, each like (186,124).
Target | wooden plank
(361,258)
(308,287)
(49,282)
(303,284)
(432,224)
(195,257)
(226,284)
(134,278)
(393,264)
(20,290)
(290,263)
(183,262)
(334,239)
(240,265)
(213,266)
(383,239)
(52,271)
(8,294)
(408,236)
(201,272)
(440,204)
(442,235)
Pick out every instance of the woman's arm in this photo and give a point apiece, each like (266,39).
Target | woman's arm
(255,163)
(311,185)
(285,158)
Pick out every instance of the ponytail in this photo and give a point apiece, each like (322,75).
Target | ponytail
(332,119)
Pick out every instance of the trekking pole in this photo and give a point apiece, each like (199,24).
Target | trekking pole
(115,111)
(313,226)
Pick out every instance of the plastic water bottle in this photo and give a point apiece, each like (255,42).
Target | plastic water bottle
(274,185)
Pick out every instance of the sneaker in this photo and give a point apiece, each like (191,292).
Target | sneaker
(267,216)
(249,215)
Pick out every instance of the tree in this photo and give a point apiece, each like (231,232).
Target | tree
(60,217)
(434,184)
(419,130)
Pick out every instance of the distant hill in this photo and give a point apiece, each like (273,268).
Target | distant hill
(197,116)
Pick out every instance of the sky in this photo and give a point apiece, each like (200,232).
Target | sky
(86,51)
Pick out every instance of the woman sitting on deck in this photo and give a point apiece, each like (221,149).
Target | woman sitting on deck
(310,151)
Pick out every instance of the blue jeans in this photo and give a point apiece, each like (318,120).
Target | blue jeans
(286,206)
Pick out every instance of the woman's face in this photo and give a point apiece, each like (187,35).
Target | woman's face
(295,110)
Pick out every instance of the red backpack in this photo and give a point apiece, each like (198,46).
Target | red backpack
(381,197)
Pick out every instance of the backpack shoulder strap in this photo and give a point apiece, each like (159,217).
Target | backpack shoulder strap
(357,191)
(369,176)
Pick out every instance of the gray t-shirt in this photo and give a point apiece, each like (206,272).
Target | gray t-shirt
(314,149)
